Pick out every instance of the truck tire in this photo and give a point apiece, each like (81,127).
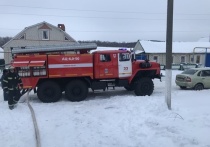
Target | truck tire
(49,91)
(144,86)
(76,90)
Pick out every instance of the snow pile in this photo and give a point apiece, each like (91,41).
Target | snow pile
(114,118)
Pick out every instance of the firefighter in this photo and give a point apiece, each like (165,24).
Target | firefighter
(5,72)
(12,84)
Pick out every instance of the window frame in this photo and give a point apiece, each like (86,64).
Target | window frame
(184,59)
(23,37)
(47,34)
(124,57)
(198,58)
(105,57)
(156,60)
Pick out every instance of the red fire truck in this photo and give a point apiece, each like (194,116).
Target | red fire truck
(74,70)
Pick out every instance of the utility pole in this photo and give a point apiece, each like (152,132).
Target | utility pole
(169,40)
(209,37)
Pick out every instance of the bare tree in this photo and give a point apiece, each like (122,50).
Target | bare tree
(4,40)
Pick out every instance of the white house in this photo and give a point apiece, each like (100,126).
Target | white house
(187,52)
(41,34)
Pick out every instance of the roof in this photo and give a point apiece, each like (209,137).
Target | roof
(178,47)
(107,49)
(39,49)
(111,51)
(26,28)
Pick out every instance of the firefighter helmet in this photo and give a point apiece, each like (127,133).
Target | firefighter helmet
(5,70)
(11,67)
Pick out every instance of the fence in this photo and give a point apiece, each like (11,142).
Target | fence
(182,66)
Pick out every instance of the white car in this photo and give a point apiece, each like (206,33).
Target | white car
(196,78)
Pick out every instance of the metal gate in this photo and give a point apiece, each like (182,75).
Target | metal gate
(207,62)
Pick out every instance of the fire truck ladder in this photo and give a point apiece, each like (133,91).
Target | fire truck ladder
(61,48)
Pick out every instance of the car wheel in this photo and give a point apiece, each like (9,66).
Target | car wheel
(183,87)
(198,87)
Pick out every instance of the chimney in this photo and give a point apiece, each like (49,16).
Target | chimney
(61,26)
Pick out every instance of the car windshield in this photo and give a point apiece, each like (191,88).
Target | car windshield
(190,72)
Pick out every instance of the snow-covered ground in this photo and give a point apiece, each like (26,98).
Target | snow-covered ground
(112,119)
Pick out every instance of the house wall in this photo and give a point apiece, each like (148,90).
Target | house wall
(161,57)
(189,57)
(33,37)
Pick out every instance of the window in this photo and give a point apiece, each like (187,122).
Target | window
(155,58)
(192,59)
(205,73)
(182,59)
(45,35)
(190,72)
(66,38)
(198,59)
(124,57)
(22,37)
(105,58)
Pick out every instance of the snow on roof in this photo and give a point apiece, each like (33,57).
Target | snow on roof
(108,48)
(178,47)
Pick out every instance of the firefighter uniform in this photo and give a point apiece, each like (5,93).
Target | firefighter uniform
(5,72)
(11,83)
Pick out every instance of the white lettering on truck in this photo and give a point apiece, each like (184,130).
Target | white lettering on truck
(70,58)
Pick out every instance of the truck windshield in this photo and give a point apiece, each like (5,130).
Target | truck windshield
(124,57)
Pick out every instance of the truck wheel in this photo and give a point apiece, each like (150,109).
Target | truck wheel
(49,91)
(144,86)
(76,90)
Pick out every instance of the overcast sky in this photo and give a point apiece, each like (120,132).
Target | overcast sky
(109,20)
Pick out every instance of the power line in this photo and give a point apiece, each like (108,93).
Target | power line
(134,18)
(78,9)
(79,16)
(102,11)
(113,31)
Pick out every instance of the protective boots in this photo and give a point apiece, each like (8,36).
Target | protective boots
(11,107)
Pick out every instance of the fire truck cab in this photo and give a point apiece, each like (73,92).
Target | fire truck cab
(75,73)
